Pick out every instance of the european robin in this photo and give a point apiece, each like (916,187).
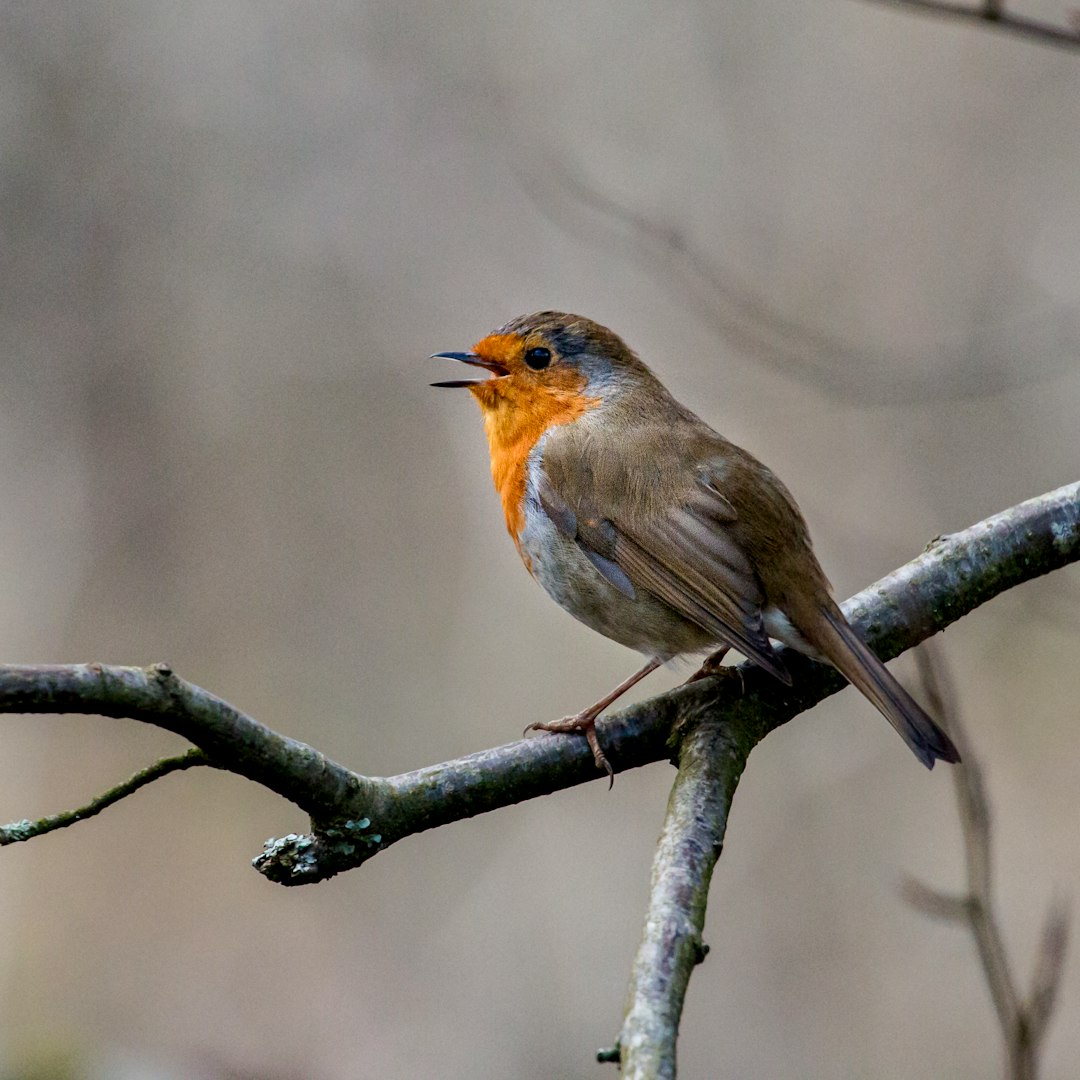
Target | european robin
(648,526)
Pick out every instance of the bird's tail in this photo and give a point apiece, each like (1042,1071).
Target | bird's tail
(846,651)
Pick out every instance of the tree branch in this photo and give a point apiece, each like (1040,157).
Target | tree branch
(755,325)
(993,15)
(154,695)
(1023,1022)
(952,577)
(713,292)
(17,831)
(710,764)
(711,760)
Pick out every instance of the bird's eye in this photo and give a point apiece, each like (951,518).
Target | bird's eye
(537,358)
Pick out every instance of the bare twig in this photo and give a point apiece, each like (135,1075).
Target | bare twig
(354,816)
(1049,966)
(937,905)
(710,763)
(712,291)
(1023,1022)
(994,16)
(756,326)
(976,825)
(16,831)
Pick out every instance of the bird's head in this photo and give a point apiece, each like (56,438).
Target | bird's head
(549,364)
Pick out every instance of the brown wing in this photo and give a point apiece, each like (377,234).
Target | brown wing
(687,556)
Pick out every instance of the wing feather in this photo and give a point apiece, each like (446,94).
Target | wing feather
(701,572)
(688,556)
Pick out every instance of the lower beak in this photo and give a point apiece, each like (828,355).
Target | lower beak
(496,369)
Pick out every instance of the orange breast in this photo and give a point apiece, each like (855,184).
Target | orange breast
(515,417)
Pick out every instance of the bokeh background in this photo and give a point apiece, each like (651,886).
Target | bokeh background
(232,234)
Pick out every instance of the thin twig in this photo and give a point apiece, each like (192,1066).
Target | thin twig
(1049,966)
(17,831)
(951,578)
(937,905)
(994,16)
(976,825)
(1023,1022)
(755,325)
(714,292)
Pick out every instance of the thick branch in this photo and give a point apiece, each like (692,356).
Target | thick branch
(954,576)
(232,740)
(710,764)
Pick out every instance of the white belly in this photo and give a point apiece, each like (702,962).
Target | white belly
(643,622)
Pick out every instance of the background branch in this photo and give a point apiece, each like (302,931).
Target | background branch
(995,16)
(1023,1021)
(703,285)
(757,326)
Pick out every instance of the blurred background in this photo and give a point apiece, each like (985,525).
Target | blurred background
(233,232)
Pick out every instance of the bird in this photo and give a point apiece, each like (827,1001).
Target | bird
(651,528)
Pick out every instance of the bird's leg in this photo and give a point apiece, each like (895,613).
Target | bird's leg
(711,665)
(584,722)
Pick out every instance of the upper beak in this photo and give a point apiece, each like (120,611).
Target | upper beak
(496,369)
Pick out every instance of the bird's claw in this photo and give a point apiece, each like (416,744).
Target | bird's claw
(579,725)
(711,665)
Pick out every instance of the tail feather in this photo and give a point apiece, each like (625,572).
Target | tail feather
(846,651)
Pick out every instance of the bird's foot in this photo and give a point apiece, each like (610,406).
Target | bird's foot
(582,723)
(711,666)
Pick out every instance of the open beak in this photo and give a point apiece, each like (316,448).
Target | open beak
(496,369)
